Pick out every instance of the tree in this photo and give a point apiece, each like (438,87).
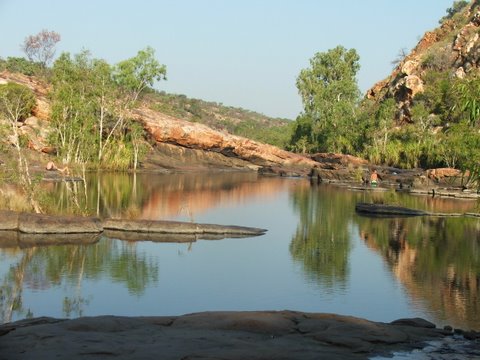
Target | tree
(41,47)
(138,72)
(92,106)
(16,103)
(456,8)
(330,96)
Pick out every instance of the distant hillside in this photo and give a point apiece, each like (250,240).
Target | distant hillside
(236,121)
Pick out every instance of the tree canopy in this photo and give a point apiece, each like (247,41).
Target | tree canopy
(330,95)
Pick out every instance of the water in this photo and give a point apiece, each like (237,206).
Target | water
(317,256)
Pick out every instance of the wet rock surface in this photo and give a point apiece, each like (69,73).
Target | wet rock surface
(219,335)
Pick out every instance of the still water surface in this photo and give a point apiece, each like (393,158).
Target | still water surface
(318,254)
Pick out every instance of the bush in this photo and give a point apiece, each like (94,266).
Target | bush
(457,7)
(21,65)
(16,101)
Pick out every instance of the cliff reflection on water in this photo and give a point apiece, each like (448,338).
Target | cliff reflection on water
(435,260)
(171,196)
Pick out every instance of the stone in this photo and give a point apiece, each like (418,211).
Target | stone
(409,67)
(414,83)
(8,220)
(47,224)
(210,335)
(177,227)
(460,73)
(415,322)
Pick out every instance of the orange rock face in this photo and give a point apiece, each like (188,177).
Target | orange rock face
(167,129)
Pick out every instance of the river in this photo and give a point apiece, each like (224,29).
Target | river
(318,255)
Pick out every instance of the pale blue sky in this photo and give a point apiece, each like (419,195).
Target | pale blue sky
(244,53)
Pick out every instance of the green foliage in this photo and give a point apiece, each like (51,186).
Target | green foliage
(20,65)
(236,121)
(91,101)
(330,95)
(74,106)
(16,101)
(459,148)
(468,91)
(321,243)
(138,72)
(457,7)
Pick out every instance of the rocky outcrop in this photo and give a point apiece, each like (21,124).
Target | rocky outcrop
(180,144)
(218,335)
(454,46)
(253,155)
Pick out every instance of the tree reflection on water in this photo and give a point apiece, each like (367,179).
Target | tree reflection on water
(322,242)
(437,259)
(38,268)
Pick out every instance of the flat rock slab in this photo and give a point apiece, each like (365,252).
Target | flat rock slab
(387,210)
(177,227)
(211,335)
(130,230)
(48,224)
(8,220)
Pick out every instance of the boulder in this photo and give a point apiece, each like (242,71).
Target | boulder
(414,84)
(409,67)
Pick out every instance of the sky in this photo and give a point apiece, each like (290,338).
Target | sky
(242,53)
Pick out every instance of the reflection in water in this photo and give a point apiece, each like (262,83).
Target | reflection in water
(322,242)
(41,268)
(436,259)
(161,196)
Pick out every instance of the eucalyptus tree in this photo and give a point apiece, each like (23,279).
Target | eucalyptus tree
(41,47)
(92,105)
(330,96)
(16,104)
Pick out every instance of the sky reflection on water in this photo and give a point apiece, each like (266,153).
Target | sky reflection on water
(318,255)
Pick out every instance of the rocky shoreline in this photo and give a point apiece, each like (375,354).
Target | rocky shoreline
(223,335)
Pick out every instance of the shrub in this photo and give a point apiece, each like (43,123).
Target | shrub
(16,101)
(22,66)
(457,7)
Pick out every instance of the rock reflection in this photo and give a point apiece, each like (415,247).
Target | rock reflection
(436,259)
(157,196)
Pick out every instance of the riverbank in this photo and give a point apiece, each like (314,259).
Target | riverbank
(222,335)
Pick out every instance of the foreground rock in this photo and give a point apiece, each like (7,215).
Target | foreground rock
(213,335)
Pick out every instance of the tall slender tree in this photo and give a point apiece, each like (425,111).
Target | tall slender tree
(330,96)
